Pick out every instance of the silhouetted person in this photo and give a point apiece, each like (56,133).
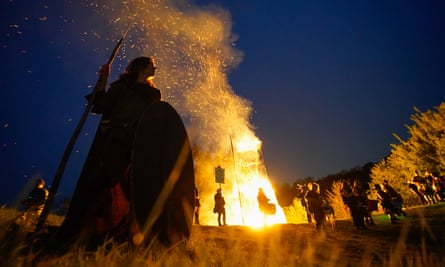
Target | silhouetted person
(301,192)
(362,203)
(263,201)
(415,190)
(422,187)
(197,206)
(396,198)
(351,200)
(429,190)
(438,187)
(416,186)
(385,201)
(315,205)
(34,203)
(220,207)
(102,202)
(264,204)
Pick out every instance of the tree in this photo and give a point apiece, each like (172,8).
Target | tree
(424,150)
(335,199)
(360,173)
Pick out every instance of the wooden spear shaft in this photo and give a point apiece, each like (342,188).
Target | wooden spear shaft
(100,85)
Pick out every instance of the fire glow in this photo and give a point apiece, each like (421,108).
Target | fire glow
(251,175)
(194,49)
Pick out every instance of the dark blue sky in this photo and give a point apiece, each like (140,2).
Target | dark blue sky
(329,81)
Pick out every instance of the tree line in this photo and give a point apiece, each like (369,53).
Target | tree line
(422,151)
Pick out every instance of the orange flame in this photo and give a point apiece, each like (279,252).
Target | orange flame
(195,48)
(245,174)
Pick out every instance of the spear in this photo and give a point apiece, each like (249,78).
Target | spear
(100,85)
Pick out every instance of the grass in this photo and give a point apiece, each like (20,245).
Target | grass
(415,240)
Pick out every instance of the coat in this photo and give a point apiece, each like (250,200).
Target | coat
(100,204)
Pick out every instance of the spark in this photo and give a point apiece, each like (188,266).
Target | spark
(195,49)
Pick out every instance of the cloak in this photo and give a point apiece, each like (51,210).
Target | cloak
(105,201)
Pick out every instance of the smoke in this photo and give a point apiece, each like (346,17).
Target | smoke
(194,50)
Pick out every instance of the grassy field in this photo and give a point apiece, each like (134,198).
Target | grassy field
(415,240)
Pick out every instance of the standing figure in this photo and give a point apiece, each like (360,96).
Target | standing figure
(350,199)
(123,181)
(396,198)
(34,203)
(197,206)
(421,184)
(362,203)
(315,205)
(220,207)
(415,186)
(438,187)
(263,204)
(385,201)
(263,201)
(429,189)
(301,192)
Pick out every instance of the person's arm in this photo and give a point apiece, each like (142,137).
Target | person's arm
(103,100)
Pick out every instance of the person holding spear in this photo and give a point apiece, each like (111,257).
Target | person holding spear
(100,86)
(137,182)
(101,202)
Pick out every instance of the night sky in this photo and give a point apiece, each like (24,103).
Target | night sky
(328,81)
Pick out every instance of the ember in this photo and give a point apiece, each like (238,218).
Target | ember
(194,49)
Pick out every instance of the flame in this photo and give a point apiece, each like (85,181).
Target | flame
(251,175)
(246,173)
(249,143)
(194,49)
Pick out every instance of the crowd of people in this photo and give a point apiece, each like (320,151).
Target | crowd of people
(318,210)
(354,197)
(429,189)
(355,200)
(360,206)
